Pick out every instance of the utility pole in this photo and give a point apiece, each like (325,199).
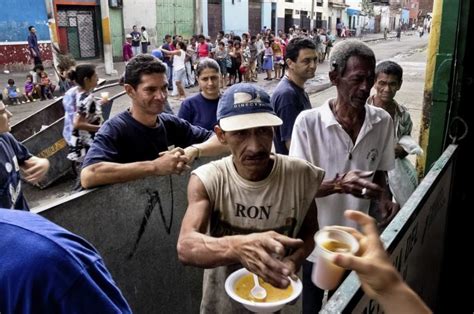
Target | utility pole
(197,17)
(53,34)
(107,38)
(313,16)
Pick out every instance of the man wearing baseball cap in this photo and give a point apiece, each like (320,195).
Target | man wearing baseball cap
(252,209)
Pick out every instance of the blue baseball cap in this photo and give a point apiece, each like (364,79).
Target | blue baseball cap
(245,106)
(157,53)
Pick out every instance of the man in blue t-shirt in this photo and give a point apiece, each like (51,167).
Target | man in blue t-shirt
(143,141)
(13,157)
(46,269)
(289,97)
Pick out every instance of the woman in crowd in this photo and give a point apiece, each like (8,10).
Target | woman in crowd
(82,113)
(179,69)
(200,109)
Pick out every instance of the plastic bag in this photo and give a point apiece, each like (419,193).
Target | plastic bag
(410,145)
(403,180)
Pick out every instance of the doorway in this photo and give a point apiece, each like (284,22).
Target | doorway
(77,31)
(288,19)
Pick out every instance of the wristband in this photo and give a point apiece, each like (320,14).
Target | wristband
(198,149)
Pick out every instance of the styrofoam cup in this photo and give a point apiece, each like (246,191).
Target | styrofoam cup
(105,96)
(326,275)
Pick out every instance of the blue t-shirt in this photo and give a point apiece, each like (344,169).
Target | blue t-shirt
(199,111)
(288,100)
(123,139)
(12,155)
(46,269)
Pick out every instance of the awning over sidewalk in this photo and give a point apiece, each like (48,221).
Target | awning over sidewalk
(352,11)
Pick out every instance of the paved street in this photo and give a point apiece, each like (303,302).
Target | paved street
(410,53)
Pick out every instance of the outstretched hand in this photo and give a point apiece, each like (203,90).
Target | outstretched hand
(373,266)
(378,277)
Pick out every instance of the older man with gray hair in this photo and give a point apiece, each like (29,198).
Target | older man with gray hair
(352,142)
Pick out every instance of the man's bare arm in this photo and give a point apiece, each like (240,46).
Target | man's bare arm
(172,162)
(254,251)
(209,148)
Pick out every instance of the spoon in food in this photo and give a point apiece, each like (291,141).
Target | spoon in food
(258,292)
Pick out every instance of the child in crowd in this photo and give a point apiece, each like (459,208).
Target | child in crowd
(64,82)
(13,92)
(47,87)
(29,88)
(268,61)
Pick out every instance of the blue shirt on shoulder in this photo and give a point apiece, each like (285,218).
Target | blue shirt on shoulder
(123,139)
(47,269)
(12,155)
(199,111)
(288,100)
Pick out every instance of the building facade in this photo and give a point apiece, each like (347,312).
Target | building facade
(16,17)
(79,31)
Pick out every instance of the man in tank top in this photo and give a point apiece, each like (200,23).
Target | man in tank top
(253,209)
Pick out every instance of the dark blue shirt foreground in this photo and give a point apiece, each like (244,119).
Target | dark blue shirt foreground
(123,139)
(12,155)
(46,269)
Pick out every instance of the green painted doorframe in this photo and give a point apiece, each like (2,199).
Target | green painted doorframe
(441,98)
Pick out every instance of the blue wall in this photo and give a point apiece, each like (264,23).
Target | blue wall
(235,16)
(17,15)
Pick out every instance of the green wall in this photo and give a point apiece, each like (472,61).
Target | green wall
(174,17)
(118,37)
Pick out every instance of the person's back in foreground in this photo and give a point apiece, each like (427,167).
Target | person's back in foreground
(46,269)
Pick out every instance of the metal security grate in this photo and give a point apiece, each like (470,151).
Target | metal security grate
(62,19)
(85,24)
(80,33)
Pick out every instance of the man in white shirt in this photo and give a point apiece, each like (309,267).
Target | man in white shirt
(353,142)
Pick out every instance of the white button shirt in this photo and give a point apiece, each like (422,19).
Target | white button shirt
(320,139)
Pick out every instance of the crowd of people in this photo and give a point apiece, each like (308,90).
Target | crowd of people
(301,168)
(240,58)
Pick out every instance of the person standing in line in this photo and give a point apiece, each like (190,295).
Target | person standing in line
(13,158)
(289,97)
(47,269)
(127,52)
(135,40)
(33,46)
(353,142)
(145,40)
(136,143)
(388,81)
(200,109)
(253,209)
